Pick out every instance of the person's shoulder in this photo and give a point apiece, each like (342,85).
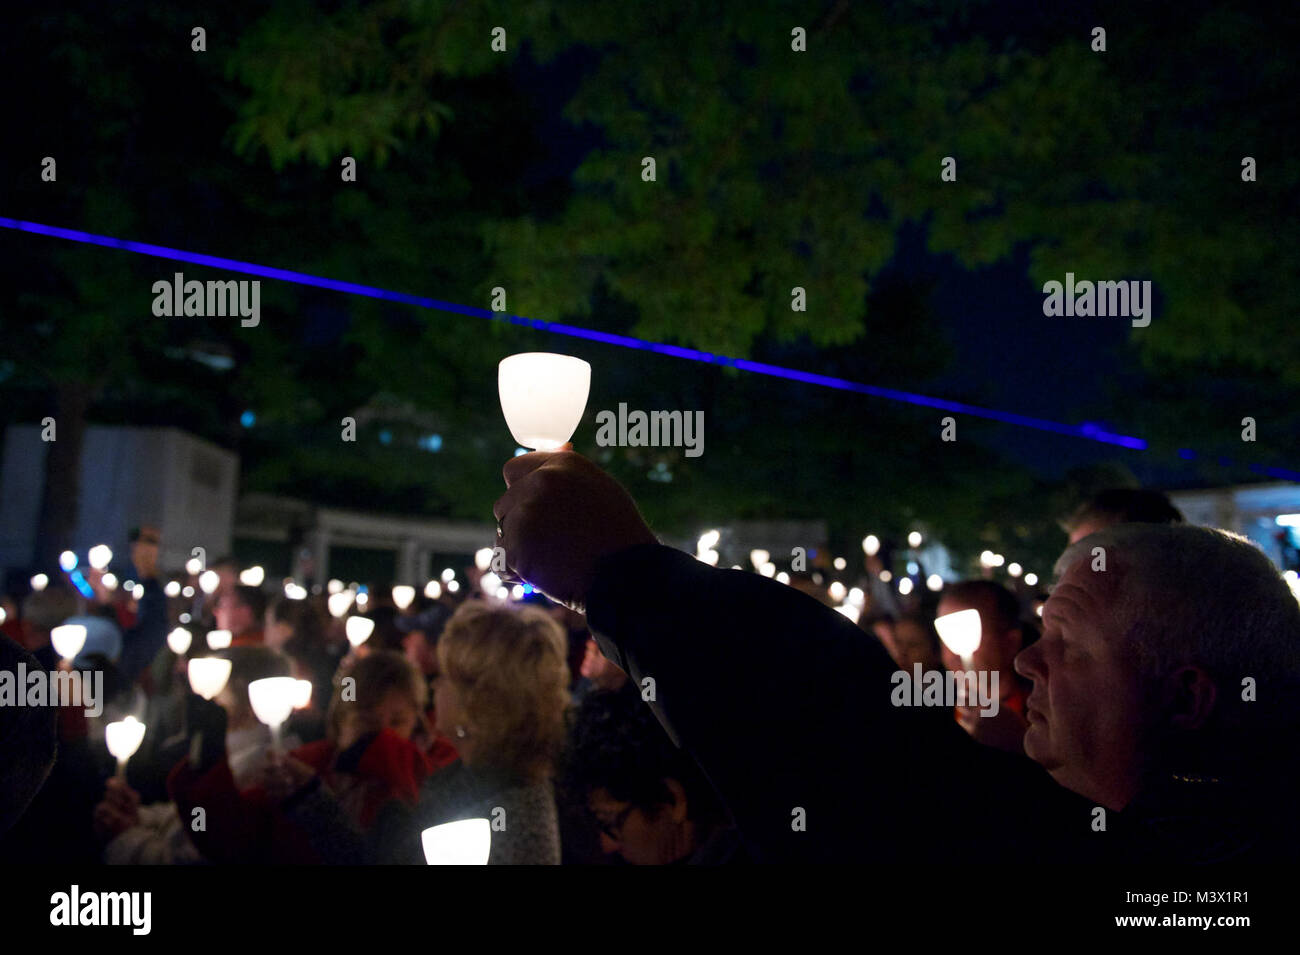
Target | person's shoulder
(540,794)
(532,827)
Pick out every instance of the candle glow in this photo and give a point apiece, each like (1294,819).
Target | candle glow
(359,629)
(208,675)
(960,632)
(543,396)
(465,842)
(68,640)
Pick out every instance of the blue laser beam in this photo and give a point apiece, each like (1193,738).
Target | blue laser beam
(1088,430)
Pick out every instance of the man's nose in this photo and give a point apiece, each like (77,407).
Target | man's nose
(1026,662)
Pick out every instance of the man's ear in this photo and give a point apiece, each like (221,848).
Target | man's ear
(1191,695)
(677,809)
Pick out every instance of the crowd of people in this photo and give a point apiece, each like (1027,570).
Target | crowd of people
(741,719)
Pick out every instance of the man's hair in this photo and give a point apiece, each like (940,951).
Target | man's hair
(253,599)
(43,610)
(1005,604)
(1198,595)
(28,742)
(510,669)
(1124,505)
(376,674)
(617,745)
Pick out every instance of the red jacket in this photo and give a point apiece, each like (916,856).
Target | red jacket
(249,638)
(390,768)
(247,827)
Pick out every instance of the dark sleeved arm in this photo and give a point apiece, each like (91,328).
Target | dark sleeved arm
(142,642)
(789,708)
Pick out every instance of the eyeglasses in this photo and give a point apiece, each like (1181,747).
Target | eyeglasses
(612,829)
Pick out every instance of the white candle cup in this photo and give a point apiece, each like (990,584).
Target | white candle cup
(339,603)
(273,700)
(179,640)
(466,842)
(960,632)
(68,640)
(543,396)
(359,630)
(208,675)
(123,739)
(219,639)
(100,556)
(403,594)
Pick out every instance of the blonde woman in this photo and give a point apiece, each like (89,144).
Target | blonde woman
(501,697)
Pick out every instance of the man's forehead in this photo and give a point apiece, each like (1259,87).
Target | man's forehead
(1082,589)
(1082,573)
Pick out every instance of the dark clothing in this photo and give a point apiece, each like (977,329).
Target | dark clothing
(165,744)
(745,667)
(724,847)
(141,643)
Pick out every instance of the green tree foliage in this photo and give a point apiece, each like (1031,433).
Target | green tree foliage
(774,169)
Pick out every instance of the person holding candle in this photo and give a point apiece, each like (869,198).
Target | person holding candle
(370,755)
(1001,638)
(27,745)
(1149,702)
(136,832)
(57,820)
(295,627)
(501,696)
(314,804)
